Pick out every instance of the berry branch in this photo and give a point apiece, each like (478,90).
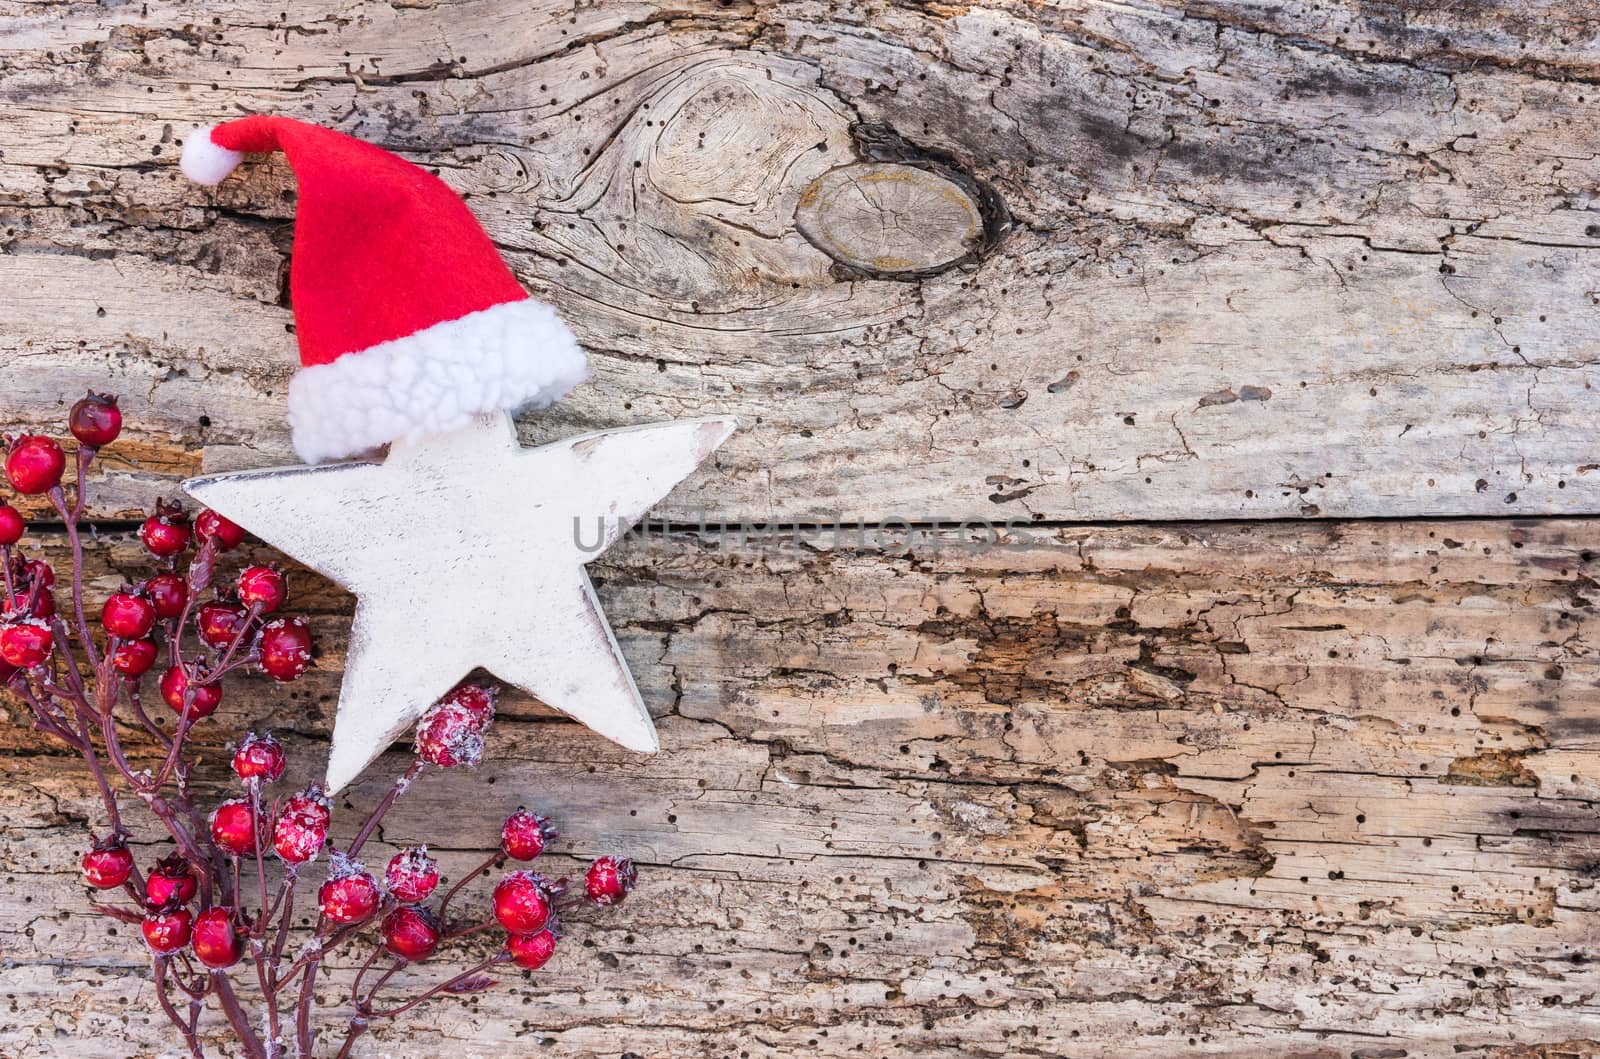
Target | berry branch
(211,908)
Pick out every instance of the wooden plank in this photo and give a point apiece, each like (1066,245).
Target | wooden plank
(1229,789)
(1339,264)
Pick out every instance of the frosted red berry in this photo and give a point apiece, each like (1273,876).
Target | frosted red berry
(311,803)
(448,735)
(233,827)
(134,658)
(524,835)
(171,882)
(203,703)
(95,420)
(301,829)
(410,933)
(165,533)
(25,643)
(210,526)
(285,648)
(12,526)
(531,951)
(35,464)
(261,587)
(411,875)
(167,932)
(609,880)
(522,902)
(477,700)
(128,616)
(108,865)
(219,623)
(215,940)
(350,895)
(296,839)
(168,594)
(259,757)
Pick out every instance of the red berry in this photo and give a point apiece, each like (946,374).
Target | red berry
(108,865)
(35,464)
(170,883)
(25,643)
(410,933)
(351,893)
(167,932)
(448,736)
(205,699)
(411,875)
(531,951)
(524,835)
(476,700)
(310,803)
(285,648)
(12,526)
(212,526)
(166,533)
(302,826)
(259,757)
(127,616)
(233,827)
(609,880)
(219,623)
(522,902)
(216,943)
(134,658)
(95,420)
(262,587)
(297,839)
(168,593)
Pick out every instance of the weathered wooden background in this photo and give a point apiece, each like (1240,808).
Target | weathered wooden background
(1135,783)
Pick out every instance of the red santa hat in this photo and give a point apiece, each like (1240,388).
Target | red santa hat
(408,320)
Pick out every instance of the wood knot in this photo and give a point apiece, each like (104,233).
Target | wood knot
(891,220)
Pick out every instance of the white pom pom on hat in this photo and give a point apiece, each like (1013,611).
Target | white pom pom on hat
(206,163)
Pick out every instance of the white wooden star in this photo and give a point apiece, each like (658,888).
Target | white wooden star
(467,550)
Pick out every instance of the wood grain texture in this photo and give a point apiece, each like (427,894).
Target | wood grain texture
(1165,789)
(1233,789)
(1253,263)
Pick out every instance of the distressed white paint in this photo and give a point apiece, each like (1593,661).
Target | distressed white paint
(467,550)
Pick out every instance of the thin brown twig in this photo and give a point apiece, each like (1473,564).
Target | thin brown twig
(236,1016)
(497,958)
(185,1028)
(58,500)
(323,943)
(136,700)
(497,858)
(5,567)
(358,1026)
(476,928)
(383,979)
(401,785)
(355,987)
